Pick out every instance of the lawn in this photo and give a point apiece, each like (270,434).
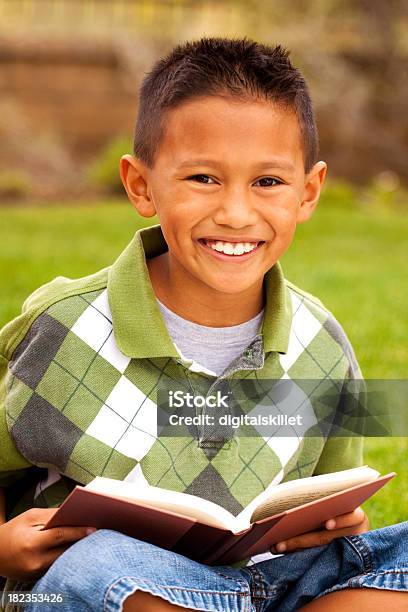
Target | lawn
(354,259)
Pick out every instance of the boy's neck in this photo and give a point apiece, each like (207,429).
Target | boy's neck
(196,302)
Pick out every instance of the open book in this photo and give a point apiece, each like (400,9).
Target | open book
(206,531)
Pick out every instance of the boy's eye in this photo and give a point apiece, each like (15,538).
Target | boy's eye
(268,181)
(201,178)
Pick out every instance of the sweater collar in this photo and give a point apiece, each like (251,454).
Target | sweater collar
(138,325)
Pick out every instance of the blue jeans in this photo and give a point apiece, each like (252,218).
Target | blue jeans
(101,570)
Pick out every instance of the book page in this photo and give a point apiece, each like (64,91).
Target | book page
(274,491)
(204,511)
(297,492)
(290,500)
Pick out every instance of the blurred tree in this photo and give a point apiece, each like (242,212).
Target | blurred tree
(84,60)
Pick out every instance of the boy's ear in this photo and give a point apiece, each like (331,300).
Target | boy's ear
(311,193)
(133,173)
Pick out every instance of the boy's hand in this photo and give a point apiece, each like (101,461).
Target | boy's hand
(343,525)
(26,552)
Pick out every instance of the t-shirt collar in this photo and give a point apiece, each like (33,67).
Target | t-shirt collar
(138,325)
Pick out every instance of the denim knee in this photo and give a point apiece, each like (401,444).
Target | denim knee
(173,577)
(84,572)
(101,570)
(387,546)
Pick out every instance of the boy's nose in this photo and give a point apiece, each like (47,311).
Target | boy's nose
(235,210)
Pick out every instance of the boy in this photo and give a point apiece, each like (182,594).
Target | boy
(226,156)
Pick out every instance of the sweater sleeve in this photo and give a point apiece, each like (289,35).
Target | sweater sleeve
(13,465)
(343,452)
(14,392)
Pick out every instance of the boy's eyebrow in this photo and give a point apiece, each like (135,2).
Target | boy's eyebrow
(198,162)
(276,163)
(272,163)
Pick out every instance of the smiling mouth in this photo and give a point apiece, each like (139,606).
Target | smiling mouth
(231,249)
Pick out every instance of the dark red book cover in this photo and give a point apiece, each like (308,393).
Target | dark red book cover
(201,542)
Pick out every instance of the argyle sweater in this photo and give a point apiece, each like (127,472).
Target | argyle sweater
(80,370)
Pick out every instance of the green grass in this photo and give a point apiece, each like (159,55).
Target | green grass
(354,260)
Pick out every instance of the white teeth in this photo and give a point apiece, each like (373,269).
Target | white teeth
(228,248)
(231,248)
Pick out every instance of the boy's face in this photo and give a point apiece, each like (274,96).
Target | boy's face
(228,178)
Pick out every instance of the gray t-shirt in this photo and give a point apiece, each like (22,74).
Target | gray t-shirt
(213,347)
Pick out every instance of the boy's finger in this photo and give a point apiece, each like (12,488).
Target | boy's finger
(316,538)
(307,540)
(40,516)
(47,559)
(58,536)
(357,517)
(53,553)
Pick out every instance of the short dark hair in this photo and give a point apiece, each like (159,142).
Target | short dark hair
(241,68)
